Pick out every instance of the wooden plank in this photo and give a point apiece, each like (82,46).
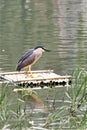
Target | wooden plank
(44,79)
(23,72)
(45,76)
(19,78)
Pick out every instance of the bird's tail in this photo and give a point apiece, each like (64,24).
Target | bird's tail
(18,68)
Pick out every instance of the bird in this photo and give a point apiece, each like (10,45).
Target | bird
(30,58)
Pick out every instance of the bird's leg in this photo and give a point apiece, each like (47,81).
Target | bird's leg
(29,68)
(28,71)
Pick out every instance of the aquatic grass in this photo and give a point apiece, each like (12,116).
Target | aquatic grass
(4,111)
(78,91)
(19,119)
(71,115)
(74,114)
(12,110)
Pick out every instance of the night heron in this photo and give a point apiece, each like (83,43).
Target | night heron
(30,58)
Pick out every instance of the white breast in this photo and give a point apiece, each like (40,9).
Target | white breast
(38,53)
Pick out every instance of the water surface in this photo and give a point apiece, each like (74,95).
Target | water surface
(58,25)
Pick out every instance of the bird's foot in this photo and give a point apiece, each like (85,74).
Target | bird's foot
(29,75)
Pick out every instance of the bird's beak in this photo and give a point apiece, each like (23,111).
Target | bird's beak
(47,50)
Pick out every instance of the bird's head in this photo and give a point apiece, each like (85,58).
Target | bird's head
(42,48)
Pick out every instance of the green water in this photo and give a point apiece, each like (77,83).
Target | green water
(60,25)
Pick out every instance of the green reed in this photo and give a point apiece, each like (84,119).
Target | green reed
(74,114)
(70,115)
(12,110)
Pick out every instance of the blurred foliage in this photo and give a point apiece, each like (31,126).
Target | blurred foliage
(73,115)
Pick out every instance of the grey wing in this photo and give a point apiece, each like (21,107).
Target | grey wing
(29,60)
(26,55)
(26,60)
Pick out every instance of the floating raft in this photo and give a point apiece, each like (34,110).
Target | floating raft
(39,79)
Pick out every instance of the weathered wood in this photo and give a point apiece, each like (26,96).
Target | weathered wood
(23,72)
(40,77)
